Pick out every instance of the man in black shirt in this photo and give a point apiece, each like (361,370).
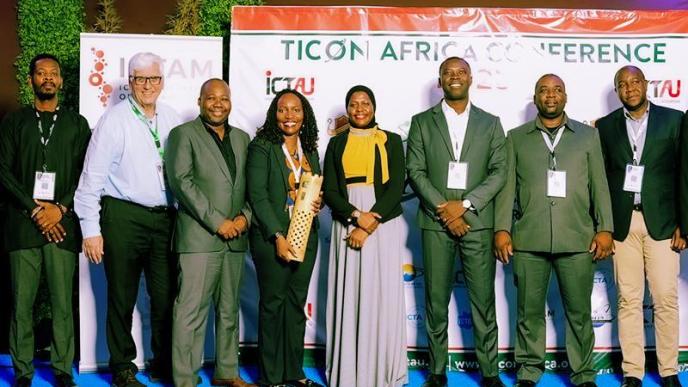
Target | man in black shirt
(42,149)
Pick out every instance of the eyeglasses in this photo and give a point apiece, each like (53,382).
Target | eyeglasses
(142,80)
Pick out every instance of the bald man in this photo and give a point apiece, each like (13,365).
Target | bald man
(640,142)
(205,162)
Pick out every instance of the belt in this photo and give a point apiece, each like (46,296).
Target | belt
(155,209)
(638,207)
(355,179)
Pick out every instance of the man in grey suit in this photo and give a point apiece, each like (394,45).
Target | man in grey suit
(457,164)
(205,161)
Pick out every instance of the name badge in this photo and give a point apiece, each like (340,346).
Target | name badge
(457,175)
(556,184)
(634,178)
(161,175)
(44,186)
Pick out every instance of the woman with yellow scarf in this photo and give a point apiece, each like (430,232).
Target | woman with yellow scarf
(364,180)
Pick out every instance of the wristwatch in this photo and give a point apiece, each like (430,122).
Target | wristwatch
(356,214)
(277,235)
(467,204)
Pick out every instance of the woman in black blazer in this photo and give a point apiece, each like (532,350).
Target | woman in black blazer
(284,147)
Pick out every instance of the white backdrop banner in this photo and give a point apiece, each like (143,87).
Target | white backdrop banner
(323,51)
(188,62)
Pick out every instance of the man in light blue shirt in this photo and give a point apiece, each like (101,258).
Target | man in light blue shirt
(127,214)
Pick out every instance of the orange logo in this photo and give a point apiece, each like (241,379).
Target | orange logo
(96,77)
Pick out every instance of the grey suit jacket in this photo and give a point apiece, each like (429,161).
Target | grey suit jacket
(429,151)
(200,181)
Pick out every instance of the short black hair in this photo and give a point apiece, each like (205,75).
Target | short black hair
(32,64)
(454,58)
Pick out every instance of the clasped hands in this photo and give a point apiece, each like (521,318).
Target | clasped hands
(232,228)
(47,217)
(451,213)
(366,224)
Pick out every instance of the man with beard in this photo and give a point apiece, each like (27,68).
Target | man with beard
(557,190)
(640,142)
(457,164)
(205,162)
(126,215)
(42,149)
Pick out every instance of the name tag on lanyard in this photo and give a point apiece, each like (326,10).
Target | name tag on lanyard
(556,180)
(633,181)
(44,185)
(457,175)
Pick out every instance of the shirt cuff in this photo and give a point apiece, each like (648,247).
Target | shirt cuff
(90,229)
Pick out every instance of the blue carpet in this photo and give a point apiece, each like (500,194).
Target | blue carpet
(44,377)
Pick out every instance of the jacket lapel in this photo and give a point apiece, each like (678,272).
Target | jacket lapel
(471,128)
(650,133)
(281,164)
(442,129)
(210,144)
(621,132)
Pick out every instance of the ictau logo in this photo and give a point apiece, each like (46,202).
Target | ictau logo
(664,88)
(274,85)
(97,76)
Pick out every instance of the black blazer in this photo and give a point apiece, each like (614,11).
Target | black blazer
(387,196)
(267,186)
(659,196)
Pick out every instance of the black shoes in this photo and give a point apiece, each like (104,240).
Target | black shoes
(126,378)
(24,381)
(491,381)
(587,384)
(306,383)
(435,380)
(64,380)
(630,381)
(525,383)
(670,381)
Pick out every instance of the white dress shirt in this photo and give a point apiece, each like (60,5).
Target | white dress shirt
(122,161)
(637,128)
(457,124)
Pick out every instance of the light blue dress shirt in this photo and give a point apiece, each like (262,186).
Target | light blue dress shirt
(122,161)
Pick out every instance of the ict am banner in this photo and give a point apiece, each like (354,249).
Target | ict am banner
(188,62)
(323,51)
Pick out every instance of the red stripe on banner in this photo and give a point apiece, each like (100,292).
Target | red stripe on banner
(449,20)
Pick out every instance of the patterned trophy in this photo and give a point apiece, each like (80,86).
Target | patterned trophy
(302,217)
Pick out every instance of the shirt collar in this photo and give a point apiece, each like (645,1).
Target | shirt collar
(540,126)
(211,131)
(448,110)
(642,118)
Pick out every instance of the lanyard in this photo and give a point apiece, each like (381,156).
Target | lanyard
(297,171)
(635,136)
(46,140)
(552,145)
(152,129)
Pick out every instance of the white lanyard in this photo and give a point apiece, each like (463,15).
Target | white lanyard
(552,145)
(45,140)
(635,136)
(297,171)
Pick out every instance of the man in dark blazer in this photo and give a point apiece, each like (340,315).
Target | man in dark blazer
(558,191)
(457,164)
(205,163)
(640,142)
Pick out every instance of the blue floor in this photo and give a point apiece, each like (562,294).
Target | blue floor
(43,377)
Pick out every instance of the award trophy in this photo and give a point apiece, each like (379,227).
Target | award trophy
(302,216)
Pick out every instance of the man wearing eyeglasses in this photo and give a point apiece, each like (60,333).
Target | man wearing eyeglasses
(126,215)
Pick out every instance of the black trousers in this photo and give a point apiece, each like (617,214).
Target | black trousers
(137,239)
(281,320)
